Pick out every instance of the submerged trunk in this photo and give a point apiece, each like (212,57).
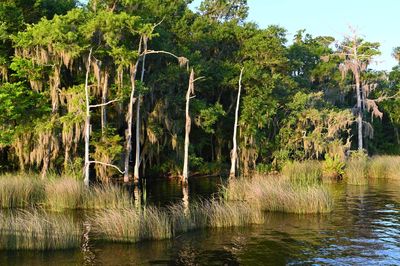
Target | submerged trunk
(87,123)
(137,152)
(232,172)
(189,92)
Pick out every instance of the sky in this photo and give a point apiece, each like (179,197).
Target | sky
(374,20)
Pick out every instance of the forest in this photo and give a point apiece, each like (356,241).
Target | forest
(119,91)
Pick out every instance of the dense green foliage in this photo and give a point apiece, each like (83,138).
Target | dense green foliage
(297,103)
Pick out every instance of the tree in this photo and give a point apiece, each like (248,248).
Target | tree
(357,55)
(225,9)
(232,172)
(189,93)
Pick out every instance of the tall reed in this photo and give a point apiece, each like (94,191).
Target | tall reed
(277,193)
(303,173)
(356,171)
(131,225)
(36,230)
(106,197)
(20,191)
(63,193)
(384,166)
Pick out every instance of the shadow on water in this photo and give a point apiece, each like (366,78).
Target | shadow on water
(363,229)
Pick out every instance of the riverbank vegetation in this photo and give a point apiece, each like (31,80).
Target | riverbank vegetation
(96,93)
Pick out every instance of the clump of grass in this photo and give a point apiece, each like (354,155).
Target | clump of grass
(20,191)
(303,173)
(384,167)
(228,214)
(272,193)
(355,171)
(106,197)
(155,224)
(130,225)
(63,193)
(184,219)
(35,230)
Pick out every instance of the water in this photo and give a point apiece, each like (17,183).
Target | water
(363,229)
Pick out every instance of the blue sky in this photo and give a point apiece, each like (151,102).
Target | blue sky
(375,20)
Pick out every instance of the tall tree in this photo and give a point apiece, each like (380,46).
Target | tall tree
(357,55)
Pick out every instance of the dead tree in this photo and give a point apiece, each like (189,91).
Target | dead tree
(189,93)
(137,151)
(234,156)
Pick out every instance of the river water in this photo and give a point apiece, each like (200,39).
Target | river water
(363,229)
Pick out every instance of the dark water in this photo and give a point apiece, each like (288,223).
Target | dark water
(363,229)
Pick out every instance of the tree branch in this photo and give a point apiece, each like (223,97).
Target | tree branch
(103,104)
(107,164)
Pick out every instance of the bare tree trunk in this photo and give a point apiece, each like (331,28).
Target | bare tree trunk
(189,92)
(137,153)
(360,111)
(129,115)
(104,95)
(87,122)
(232,172)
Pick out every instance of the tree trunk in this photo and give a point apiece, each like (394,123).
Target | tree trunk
(137,152)
(232,172)
(129,117)
(87,122)
(360,110)
(189,92)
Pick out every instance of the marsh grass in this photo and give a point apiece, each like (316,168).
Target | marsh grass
(37,230)
(19,191)
(106,197)
(63,193)
(277,193)
(387,167)
(229,214)
(356,171)
(131,225)
(59,193)
(303,173)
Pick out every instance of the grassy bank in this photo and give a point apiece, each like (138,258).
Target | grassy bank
(59,193)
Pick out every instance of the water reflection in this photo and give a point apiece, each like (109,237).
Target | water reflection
(363,229)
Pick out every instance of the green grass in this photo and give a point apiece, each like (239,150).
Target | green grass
(36,230)
(303,173)
(277,193)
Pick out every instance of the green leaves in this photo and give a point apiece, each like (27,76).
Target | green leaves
(19,106)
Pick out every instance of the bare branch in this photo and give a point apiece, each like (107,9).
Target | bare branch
(110,165)
(103,104)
